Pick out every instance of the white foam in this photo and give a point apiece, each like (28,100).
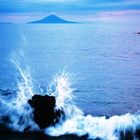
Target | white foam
(80,125)
(21,116)
(17,107)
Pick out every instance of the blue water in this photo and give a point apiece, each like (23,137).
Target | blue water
(103,59)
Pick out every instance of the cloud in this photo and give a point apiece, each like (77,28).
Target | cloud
(67,5)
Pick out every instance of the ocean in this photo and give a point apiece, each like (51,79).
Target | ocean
(100,59)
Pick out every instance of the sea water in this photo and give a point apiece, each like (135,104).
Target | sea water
(103,60)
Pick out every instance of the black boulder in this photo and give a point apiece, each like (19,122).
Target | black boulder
(44,110)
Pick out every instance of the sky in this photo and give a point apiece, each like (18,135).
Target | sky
(27,10)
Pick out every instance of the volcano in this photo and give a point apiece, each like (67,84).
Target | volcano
(52,19)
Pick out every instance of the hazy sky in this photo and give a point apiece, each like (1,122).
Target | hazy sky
(88,9)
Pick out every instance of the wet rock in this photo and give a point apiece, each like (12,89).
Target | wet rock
(44,110)
(130,134)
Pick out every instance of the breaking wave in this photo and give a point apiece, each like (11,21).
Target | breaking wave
(17,114)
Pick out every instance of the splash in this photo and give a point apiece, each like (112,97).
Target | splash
(60,87)
(114,128)
(15,107)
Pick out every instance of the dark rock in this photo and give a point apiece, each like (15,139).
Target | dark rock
(5,119)
(130,134)
(44,110)
(36,135)
(137,133)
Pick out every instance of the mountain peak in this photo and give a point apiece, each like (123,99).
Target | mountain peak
(52,15)
(52,19)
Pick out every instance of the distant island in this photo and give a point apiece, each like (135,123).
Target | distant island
(5,23)
(52,19)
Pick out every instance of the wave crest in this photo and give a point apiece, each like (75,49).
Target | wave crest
(17,114)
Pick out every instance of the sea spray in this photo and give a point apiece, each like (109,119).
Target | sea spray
(98,127)
(17,114)
(114,128)
(14,106)
(61,88)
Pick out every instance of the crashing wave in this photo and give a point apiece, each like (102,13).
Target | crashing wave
(17,111)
